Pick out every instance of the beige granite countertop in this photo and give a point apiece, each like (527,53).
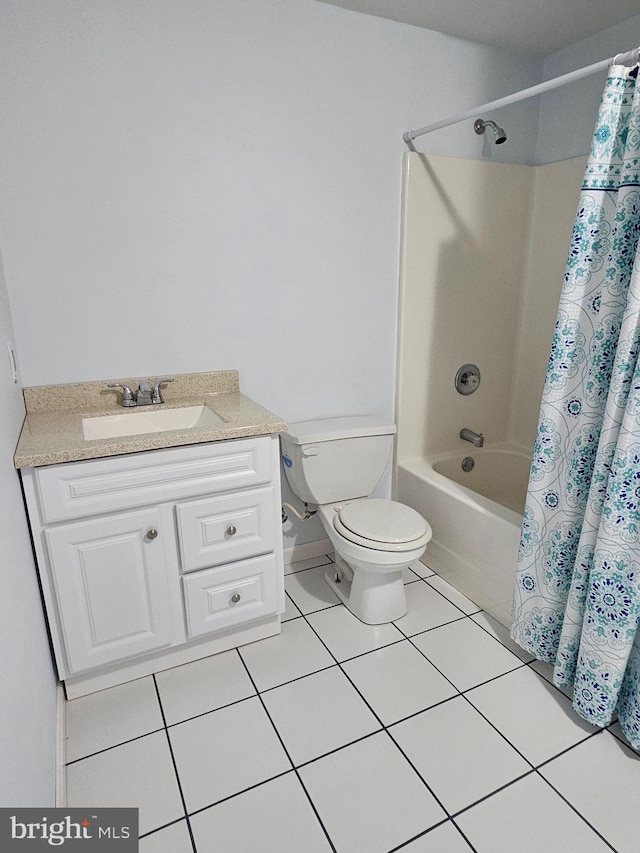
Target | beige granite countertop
(52,431)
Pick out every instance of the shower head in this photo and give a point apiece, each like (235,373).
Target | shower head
(499,135)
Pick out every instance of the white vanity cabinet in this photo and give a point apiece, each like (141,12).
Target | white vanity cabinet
(156,558)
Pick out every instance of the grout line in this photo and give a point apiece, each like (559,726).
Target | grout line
(504,645)
(239,793)
(493,793)
(574,809)
(446,598)
(315,811)
(382,724)
(431,829)
(309,568)
(175,767)
(114,746)
(346,674)
(420,835)
(567,749)
(621,738)
(210,711)
(463,835)
(444,675)
(496,729)
(384,727)
(295,769)
(422,711)
(291,680)
(160,828)
(286,751)
(319,610)
(434,627)
(418,774)
(339,748)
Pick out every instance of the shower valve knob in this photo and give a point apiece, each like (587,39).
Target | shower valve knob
(467,379)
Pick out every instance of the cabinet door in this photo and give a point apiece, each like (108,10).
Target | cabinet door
(111,587)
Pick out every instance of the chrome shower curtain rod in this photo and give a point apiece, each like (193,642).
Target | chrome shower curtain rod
(631,57)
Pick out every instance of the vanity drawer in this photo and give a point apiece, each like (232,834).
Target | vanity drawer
(77,489)
(220,598)
(225,528)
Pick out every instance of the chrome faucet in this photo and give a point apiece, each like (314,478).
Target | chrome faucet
(476,438)
(145,395)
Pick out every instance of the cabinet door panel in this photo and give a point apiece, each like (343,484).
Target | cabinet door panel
(111,587)
(226,528)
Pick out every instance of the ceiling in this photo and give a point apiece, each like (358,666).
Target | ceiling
(536,26)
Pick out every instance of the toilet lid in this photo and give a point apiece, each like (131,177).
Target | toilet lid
(381,521)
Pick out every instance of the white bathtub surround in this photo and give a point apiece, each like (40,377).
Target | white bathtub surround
(484,249)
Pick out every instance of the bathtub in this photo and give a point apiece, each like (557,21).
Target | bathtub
(475,517)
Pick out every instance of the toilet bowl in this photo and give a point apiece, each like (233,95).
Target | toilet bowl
(336,464)
(374,541)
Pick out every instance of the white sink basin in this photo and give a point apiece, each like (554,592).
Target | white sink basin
(150,420)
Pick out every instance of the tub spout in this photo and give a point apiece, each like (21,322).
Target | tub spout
(476,438)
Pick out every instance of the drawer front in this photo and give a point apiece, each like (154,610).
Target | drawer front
(77,489)
(226,528)
(231,595)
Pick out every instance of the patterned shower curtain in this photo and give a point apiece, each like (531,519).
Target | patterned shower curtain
(577,593)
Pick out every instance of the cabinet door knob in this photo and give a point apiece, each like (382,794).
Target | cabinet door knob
(152,534)
(231,530)
(235,598)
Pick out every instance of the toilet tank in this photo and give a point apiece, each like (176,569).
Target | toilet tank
(336,459)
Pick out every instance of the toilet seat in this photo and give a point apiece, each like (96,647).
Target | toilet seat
(382,525)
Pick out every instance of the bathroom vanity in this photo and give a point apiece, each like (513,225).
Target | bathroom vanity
(155,548)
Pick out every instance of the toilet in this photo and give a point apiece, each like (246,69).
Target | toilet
(336,464)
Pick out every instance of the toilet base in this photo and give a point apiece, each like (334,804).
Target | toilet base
(374,597)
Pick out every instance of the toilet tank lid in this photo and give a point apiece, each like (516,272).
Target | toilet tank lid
(330,429)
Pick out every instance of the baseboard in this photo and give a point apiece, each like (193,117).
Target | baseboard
(61,748)
(307,550)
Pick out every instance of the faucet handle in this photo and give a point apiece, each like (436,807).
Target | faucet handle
(156,395)
(127,394)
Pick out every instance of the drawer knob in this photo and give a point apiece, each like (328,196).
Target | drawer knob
(152,534)
(235,598)
(231,530)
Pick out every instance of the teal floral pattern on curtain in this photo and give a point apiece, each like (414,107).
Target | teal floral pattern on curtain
(577,593)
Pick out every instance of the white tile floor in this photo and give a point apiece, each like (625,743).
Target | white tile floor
(435,734)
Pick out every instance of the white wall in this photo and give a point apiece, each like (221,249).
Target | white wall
(568,115)
(28,706)
(201,185)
